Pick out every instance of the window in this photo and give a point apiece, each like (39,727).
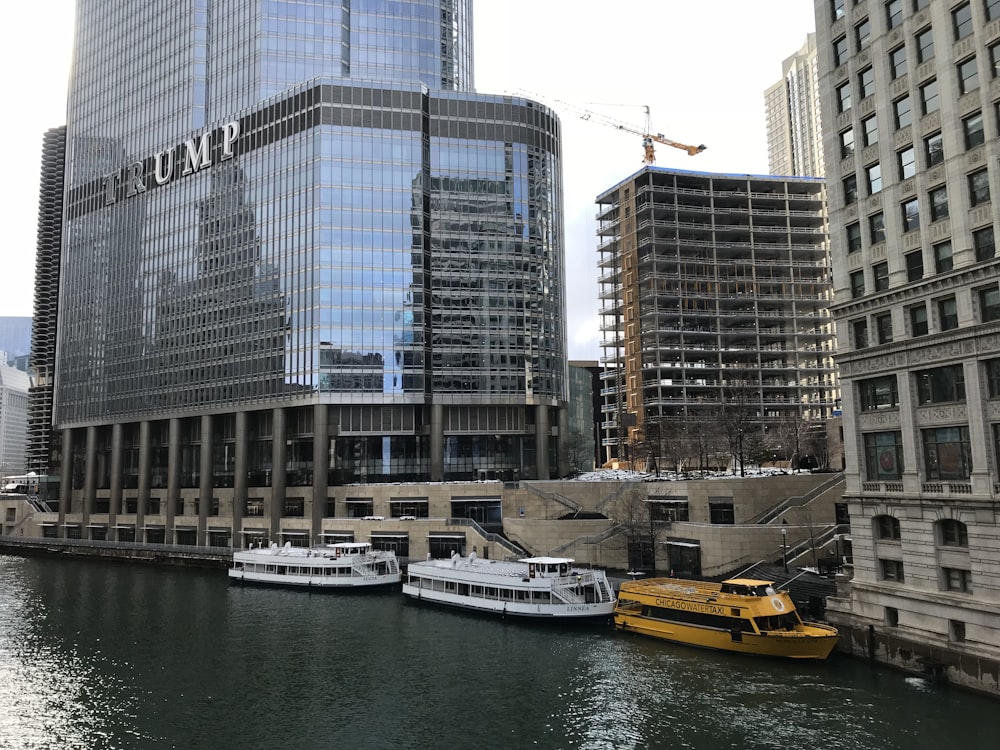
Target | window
(952,533)
(907,163)
(938,198)
(873,176)
(897,63)
(956,579)
(961,19)
(883,328)
(853,237)
(894,13)
(860,330)
(881,273)
(994,52)
(891,613)
(843,97)
(940,385)
(947,313)
(929,97)
(993,388)
(850,189)
(869,130)
(989,304)
(925,45)
(914,265)
(934,149)
(947,454)
(918,321)
(920,4)
(721,512)
(878,393)
(972,129)
(992,8)
(840,51)
(863,33)
(968,75)
(838,9)
(982,240)
(943,261)
(911,214)
(857,284)
(866,82)
(876,227)
(891,570)
(847,143)
(887,527)
(979,188)
(902,111)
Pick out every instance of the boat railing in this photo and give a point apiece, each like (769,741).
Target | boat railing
(568,589)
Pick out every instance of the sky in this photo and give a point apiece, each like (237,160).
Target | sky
(701,67)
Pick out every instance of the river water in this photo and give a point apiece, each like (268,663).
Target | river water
(97,655)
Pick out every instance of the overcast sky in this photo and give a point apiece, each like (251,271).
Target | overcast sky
(702,68)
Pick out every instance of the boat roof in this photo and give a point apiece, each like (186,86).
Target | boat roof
(546,560)
(749,582)
(347,545)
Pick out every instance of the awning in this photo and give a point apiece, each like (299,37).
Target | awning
(48,523)
(681,544)
(392,534)
(71,524)
(409,501)
(124,526)
(97,526)
(358,500)
(219,529)
(153,526)
(185,528)
(445,535)
(259,532)
(337,533)
(294,533)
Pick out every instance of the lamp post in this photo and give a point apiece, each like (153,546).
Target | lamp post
(784,548)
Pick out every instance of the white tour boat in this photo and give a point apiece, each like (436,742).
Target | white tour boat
(341,565)
(531,587)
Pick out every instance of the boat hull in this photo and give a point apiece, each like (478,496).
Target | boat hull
(576,611)
(813,642)
(315,582)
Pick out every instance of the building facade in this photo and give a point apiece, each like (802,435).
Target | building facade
(794,124)
(910,94)
(713,287)
(15,337)
(297,250)
(14,386)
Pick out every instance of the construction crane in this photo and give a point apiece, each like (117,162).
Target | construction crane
(647,134)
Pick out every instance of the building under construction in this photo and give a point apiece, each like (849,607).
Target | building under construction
(714,300)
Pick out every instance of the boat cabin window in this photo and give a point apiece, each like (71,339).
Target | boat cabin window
(742,589)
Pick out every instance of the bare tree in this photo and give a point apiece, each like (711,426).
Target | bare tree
(579,449)
(737,414)
(643,529)
(791,433)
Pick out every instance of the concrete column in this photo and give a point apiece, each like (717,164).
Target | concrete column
(437,443)
(115,496)
(562,445)
(278,473)
(206,483)
(913,467)
(240,470)
(173,479)
(979,430)
(321,462)
(65,480)
(145,476)
(89,479)
(542,441)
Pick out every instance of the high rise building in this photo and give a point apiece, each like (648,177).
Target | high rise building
(909,93)
(13,419)
(715,290)
(296,249)
(794,127)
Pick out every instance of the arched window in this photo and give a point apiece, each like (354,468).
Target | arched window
(886,527)
(952,533)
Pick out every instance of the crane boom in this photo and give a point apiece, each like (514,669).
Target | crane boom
(647,134)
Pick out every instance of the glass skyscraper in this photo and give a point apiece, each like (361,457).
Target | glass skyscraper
(297,250)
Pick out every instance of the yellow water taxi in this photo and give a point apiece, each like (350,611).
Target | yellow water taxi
(742,614)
